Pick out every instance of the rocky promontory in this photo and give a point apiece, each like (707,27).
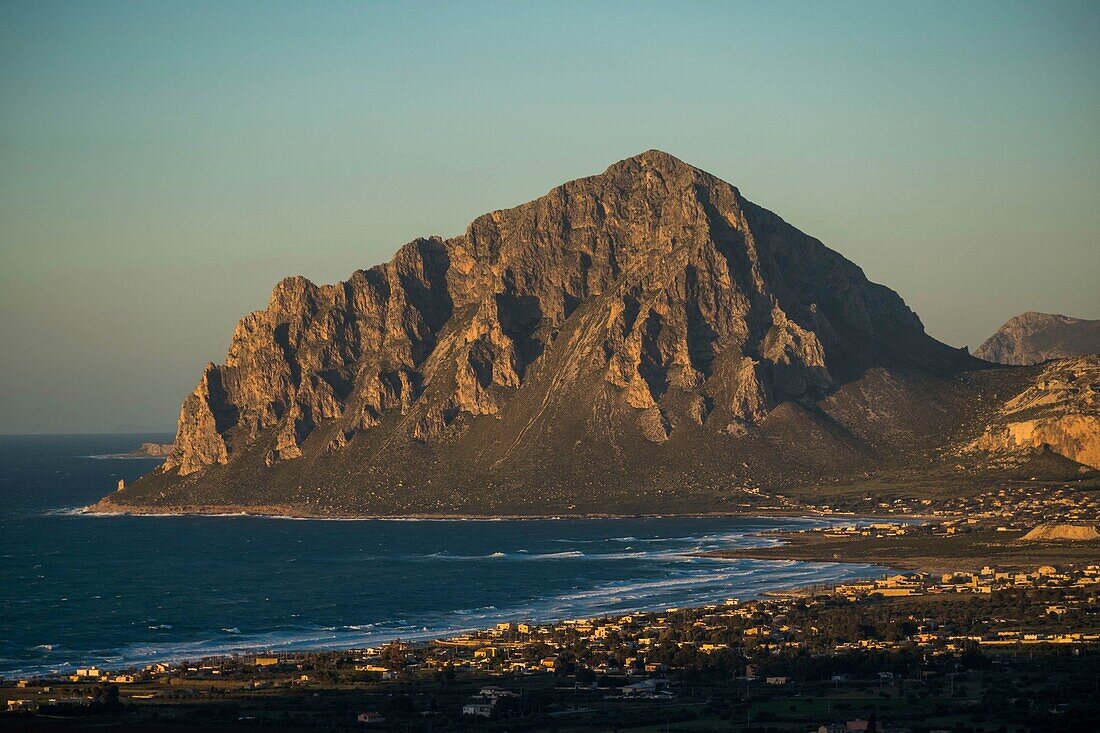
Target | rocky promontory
(153,450)
(645,339)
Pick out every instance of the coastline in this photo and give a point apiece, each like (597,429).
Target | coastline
(343,641)
(440,636)
(893,555)
(278,511)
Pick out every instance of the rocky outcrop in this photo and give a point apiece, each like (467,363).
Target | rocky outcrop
(650,305)
(153,450)
(1031,338)
(1059,411)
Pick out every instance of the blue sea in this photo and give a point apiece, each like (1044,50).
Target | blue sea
(119,591)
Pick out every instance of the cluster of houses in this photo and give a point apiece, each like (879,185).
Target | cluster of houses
(987,580)
(95,674)
(623,645)
(484,703)
(1018,506)
(874,529)
(1024,506)
(886,529)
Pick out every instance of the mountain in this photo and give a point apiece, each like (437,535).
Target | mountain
(1031,337)
(642,340)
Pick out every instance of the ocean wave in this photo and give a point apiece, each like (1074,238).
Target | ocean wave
(123,457)
(521,555)
(72,511)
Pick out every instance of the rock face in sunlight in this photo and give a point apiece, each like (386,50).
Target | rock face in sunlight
(1031,338)
(1060,411)
(628,338)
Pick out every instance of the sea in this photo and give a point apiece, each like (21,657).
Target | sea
(119,591)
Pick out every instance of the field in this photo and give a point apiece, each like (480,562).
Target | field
(968,551)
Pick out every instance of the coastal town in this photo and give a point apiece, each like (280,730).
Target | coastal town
(1018,526)
(1011,504)
(916,651)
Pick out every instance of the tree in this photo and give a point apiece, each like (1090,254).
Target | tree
(105,698)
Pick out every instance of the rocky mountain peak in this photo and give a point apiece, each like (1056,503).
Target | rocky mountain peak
(655,165)
(1033,337)
(650,304)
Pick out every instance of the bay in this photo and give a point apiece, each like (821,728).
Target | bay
(119,591)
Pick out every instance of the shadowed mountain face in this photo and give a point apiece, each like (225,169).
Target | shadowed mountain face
(1031,337)
(622,342)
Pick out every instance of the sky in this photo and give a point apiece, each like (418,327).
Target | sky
(164,164)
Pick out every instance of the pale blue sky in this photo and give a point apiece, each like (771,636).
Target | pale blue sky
(163,164)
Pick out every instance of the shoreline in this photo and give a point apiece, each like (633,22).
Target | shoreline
(296,513)
(888,556)
(443,636)
(337,646)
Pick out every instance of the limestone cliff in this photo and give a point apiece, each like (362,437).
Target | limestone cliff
(1060,410)
(1031,338)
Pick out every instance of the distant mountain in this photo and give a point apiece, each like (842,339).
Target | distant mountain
(1032,337)
(643,340)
